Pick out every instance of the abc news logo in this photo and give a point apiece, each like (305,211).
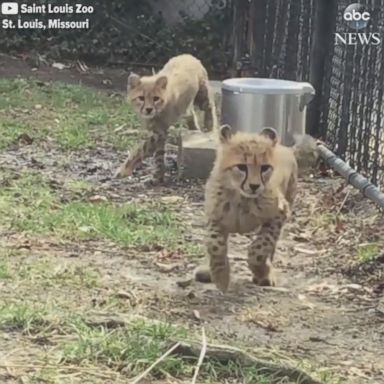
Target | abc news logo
(357,18)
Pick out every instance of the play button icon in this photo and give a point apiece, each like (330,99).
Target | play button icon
(9,8)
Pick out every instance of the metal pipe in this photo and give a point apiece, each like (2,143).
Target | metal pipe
(355,179)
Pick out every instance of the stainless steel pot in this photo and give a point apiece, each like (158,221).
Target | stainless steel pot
(249,104)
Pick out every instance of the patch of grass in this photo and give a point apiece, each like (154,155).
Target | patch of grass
(10,130)
(48,375)
(127,224)
(30,205)
(134,347)
(4,270)
(138,345)
(25,318)
(73,116)
(367,252)
(323,220)
(47,273)
(79,186)
(128,349)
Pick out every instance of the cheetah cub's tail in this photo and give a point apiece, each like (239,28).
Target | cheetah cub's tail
(306,152)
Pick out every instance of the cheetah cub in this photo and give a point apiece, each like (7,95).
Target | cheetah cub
(251,188)
(161,100)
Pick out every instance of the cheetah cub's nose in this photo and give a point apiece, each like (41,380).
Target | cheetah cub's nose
(254,187)
(148,110)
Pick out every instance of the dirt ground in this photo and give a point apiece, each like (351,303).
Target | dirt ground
(328,307)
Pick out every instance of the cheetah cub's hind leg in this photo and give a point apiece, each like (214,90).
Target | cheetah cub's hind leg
(262,250)
(191,119)
(205,101)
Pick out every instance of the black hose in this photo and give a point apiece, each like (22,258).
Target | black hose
(355,179)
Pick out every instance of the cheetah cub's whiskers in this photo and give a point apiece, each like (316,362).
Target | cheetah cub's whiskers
(161,100)
(251,187)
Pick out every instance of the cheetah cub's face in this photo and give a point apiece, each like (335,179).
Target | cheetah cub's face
(247,159)
(147,94)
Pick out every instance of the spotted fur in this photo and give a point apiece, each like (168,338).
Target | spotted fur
(161,100)
(251,188)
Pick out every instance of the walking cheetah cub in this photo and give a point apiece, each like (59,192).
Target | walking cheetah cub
(251,188)
(161,100)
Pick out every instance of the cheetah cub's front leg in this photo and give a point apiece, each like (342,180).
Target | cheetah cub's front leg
(283,206)
(262,250)
(219,269)
(153,146)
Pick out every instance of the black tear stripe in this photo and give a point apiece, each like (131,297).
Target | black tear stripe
(270,169)
(262,178)
(245,179)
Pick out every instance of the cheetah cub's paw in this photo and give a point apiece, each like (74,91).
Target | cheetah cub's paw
(221,277)
(265,280)
(125,169)
(269,281)
(284,207)
(202,274)
(122,172)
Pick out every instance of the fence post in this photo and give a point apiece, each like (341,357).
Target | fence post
(322,41)
(240,43)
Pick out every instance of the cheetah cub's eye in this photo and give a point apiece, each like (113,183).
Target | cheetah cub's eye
(141,98)
(156,98)
(241,167)
(266,168)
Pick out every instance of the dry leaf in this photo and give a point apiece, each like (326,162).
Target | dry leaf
(81,66)
(164,254)
(107,82)
(85,228)
(59,66)
(24,138)
(126,295)
(306,251)
(97,199)
(171,199)
(196,314)
(184,283)
(166,267)
(119,128)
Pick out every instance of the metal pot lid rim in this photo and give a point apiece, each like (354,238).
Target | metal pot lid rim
(258,85)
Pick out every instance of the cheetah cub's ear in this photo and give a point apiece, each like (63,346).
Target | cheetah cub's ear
(133,81)
(225,133)
(162,82)
(271,133)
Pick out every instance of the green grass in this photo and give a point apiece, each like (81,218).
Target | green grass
(133,347)
(82,341)
(72,116)
(367,252)
(45,273)
(48,297)
(4,270)
(27,318)
(28,204)
(79,186)
(128,349)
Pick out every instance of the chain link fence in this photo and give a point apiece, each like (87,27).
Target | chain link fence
(296,41)
(352,107)
(273,38)
(140,34)
(292,40)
